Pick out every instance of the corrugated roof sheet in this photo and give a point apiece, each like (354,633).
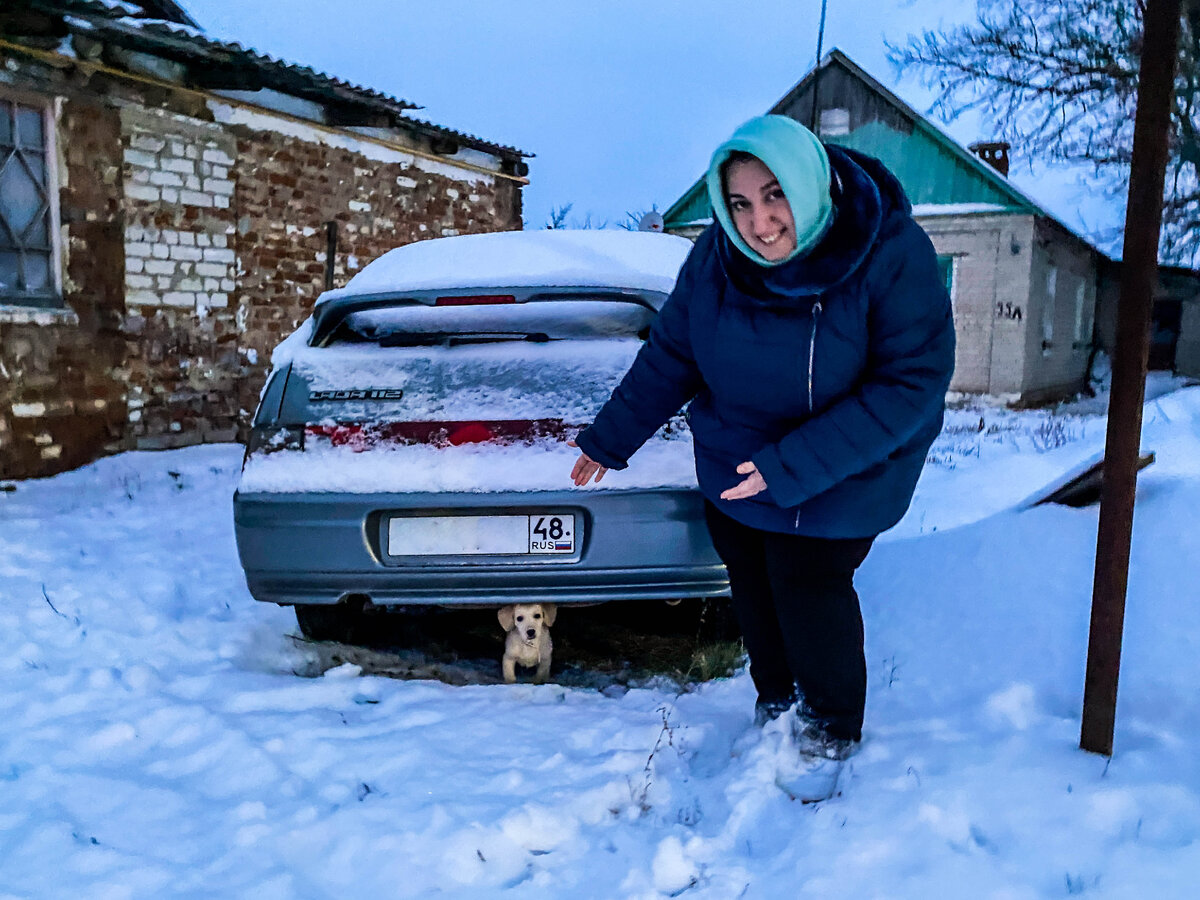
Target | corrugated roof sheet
(135,25)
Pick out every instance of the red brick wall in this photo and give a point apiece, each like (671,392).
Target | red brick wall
(191,248)
(61,392)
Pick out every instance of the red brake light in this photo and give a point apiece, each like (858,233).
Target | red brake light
(479,300)
(505,431)
(470,433)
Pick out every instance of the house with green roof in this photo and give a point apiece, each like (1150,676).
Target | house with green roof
(1024,285)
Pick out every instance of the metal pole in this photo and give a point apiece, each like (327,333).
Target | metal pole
(331,242)
(1139,273)
(812,119)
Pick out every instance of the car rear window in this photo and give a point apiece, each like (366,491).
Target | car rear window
(422,324)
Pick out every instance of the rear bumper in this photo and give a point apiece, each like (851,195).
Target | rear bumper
(319,549)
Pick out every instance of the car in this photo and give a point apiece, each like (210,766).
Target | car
(410,444)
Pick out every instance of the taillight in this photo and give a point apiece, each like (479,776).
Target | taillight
(360,437)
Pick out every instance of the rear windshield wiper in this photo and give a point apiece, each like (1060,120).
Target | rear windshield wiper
(453,338)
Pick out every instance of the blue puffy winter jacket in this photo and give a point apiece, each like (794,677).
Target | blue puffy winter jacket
(829,371)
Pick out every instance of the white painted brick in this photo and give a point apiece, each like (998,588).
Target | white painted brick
(170,195)
(165,282)
(193,198)
(160,251)
(134,264)
(139,281)
(192,183)
(179,298)
(187,238)
(134,233)
(219,254)
(138,248)
(28,410)
(181,252)
(220,171)
(142,192)
(220,157)
(221,301)
(228,284)
(140,158)
(212,270)
(219,240)
(170,237)
(212,284)
(452,193)
(159,267)
(221,186)
(182,166)
(166,179)
(359,206)
(221,202)
(143,298)
(191,284)
(191,153)
(177,147)
(140,176)
(147,142)
(202,239)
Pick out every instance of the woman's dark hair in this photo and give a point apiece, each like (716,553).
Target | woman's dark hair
(735,156)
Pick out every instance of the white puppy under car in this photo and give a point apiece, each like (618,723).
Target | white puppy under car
(528,643)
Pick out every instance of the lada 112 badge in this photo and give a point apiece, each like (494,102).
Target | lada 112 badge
(356,394)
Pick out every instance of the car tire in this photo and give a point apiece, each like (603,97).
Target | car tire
(341,622)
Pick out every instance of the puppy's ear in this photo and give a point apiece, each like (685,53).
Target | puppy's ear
(505,615)
(550,613)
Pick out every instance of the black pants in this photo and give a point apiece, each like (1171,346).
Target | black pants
(795,601)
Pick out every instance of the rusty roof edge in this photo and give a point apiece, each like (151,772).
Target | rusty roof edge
(173,36)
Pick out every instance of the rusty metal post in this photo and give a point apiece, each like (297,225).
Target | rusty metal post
(1139,273)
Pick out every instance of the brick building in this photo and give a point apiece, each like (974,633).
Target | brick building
(171,206)
(1033,300)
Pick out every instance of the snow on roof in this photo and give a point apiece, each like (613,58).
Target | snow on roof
(555,258)
(957,209)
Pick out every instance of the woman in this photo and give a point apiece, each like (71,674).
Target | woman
(812,333)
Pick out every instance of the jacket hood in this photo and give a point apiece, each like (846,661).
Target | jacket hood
(798,161)
(865,196)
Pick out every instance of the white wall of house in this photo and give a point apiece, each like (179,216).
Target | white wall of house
(1058,339)
(990,296)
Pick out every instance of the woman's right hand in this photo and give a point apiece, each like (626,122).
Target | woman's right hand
(585,467)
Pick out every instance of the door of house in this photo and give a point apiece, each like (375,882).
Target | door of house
(1164,334)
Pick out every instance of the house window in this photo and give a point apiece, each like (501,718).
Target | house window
(1048,309)
(27,254)
(1083,316)
(946,271)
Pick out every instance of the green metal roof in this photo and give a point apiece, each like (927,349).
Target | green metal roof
(932,167)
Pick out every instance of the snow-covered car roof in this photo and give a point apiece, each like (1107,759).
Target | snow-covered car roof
(548,258)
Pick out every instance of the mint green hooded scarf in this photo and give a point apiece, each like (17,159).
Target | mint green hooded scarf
(800,164)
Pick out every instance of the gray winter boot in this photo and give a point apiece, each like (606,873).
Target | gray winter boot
(812,774)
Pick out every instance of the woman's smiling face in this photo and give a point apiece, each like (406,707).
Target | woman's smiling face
(760,211)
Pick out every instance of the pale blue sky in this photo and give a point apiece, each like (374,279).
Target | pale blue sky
(622,101)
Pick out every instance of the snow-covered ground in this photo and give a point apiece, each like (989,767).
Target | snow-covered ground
(157,741)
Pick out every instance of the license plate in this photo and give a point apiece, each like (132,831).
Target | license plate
(537,534)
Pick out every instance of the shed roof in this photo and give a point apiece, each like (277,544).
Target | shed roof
(164,29)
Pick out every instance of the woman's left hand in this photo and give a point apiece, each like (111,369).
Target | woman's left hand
(748,488)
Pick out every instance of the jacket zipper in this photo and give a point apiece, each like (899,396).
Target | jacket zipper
(812,355)
(812,352)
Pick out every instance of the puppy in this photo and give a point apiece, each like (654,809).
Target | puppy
(528,643)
